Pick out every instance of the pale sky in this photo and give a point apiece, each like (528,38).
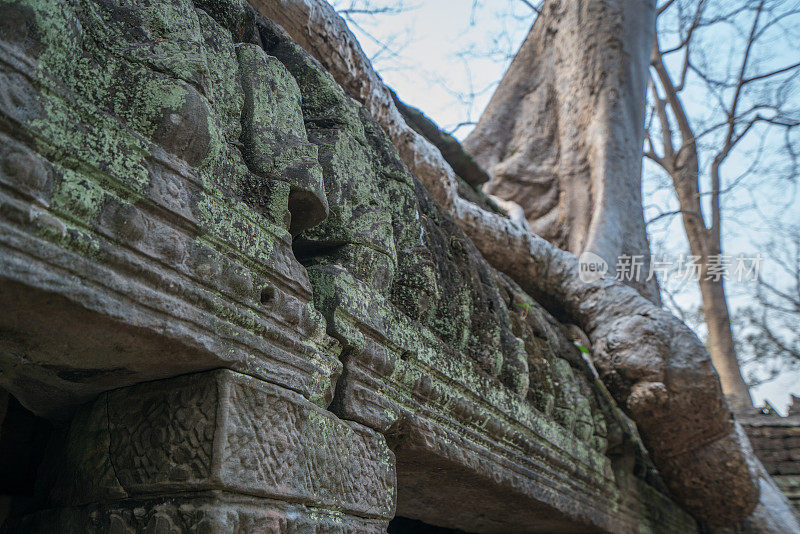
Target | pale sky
(441,50)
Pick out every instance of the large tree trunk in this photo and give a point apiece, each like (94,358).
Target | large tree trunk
(654,365)
(562,134)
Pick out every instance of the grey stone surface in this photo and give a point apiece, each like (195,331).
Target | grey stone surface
(137,242)
(205,512)
(477,457)
(251,316)
(776,442)
(222,430)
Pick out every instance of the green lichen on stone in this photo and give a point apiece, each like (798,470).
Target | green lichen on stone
(164,36)
(140,109)
(274,141)
(102,82)
(226,93)
(325,104)
(77,197)
(356,203)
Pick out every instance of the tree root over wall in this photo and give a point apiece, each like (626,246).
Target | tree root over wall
(653,364)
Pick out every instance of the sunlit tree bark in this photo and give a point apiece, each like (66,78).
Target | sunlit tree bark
(562,134)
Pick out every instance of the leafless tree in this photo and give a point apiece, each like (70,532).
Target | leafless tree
(372,22)
(770,335)
(366,17)
(719,82)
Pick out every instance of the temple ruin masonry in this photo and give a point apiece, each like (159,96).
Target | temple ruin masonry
(776,442)
(229,306)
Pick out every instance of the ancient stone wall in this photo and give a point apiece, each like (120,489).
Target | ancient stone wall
(776,442)
(243,313)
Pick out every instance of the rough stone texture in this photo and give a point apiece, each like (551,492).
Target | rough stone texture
(776,442)
(141,238)
(228,446)
(184,188)
(474,456)
(466,382)
(207,512)
(227,431)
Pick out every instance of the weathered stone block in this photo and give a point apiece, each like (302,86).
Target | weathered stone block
(163,167)
(275,142)
(204,513)
(222,430)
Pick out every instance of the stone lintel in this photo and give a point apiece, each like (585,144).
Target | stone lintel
(206,513)
(222,430)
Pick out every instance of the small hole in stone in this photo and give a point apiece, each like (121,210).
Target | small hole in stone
(405,355)
(267,294)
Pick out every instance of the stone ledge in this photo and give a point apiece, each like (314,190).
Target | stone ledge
(174,303)
(456,433)
(758,421)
